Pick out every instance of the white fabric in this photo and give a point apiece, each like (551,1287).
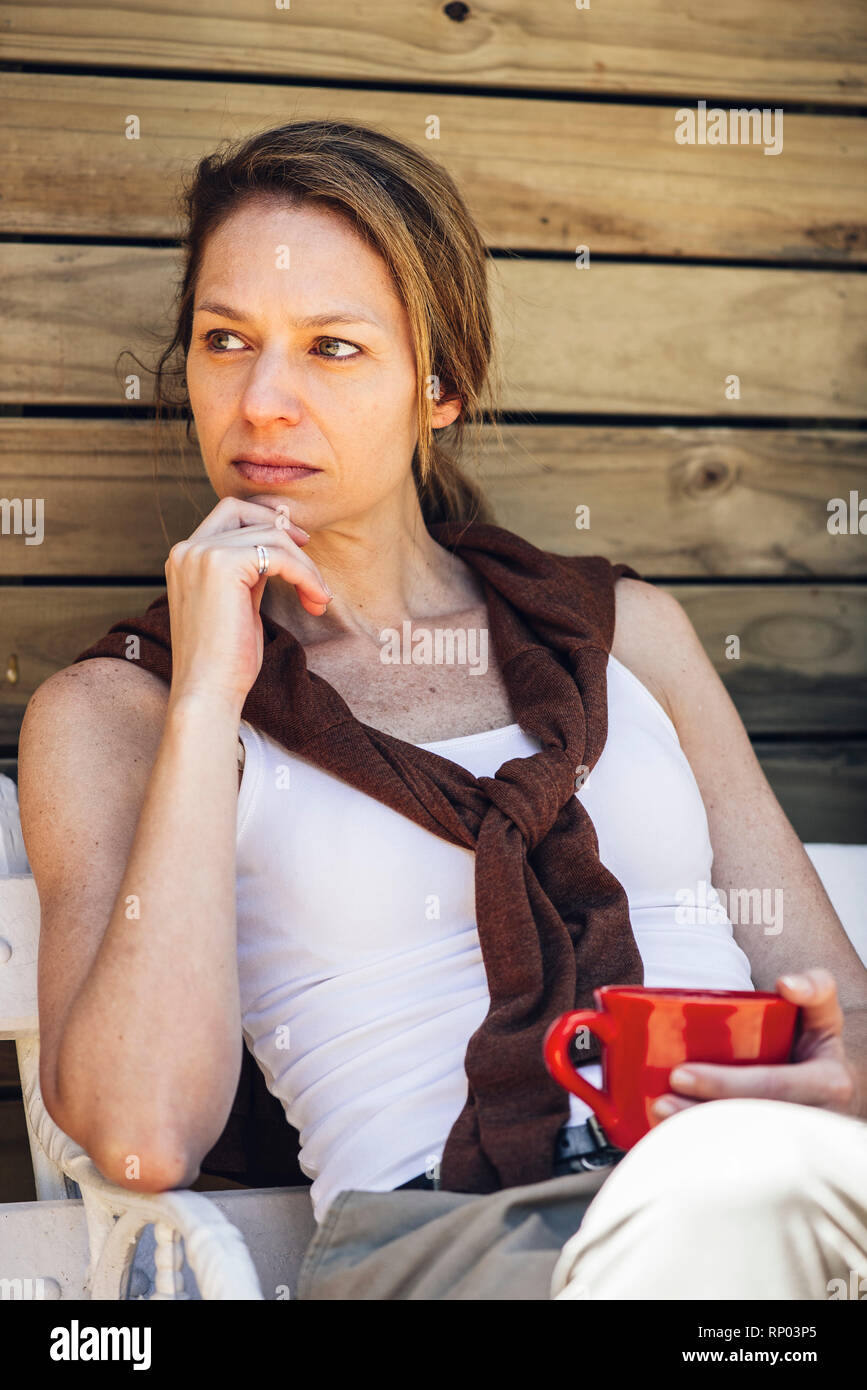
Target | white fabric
(360,968)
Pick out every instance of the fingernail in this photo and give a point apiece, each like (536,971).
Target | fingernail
(798,982)
(682,1077)
(327,590)
(664,1107)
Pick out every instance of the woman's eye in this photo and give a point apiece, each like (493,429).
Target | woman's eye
(210,340)
(345,357)
(218,333)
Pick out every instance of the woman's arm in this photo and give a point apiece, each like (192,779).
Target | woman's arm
(128,798)
(128,806)
(755,846)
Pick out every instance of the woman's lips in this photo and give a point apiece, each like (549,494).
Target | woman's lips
(272,473)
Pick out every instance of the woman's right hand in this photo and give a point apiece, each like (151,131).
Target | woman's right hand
(215,591)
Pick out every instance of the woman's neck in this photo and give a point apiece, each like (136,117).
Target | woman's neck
(379,579)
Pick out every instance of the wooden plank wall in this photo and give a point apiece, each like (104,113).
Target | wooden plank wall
(559,126)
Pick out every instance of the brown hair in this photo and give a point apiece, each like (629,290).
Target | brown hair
(408,208)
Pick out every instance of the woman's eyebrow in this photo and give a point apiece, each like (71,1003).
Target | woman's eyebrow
(343,315)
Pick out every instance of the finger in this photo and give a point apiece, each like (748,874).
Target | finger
(271,536)
(665,1106)
(233,512)
(285,560)
(285,522)
(284,519)
(813,1082)
(815,991)
(290,564)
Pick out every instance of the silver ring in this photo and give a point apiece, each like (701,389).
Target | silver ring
(263,557)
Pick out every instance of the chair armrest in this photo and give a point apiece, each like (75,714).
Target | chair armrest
(215,1249)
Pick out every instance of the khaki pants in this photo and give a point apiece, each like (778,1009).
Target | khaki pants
(731,1199)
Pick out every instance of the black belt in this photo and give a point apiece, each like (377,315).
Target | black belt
(580,1148)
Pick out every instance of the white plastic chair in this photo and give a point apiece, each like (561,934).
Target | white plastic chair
(80,1239)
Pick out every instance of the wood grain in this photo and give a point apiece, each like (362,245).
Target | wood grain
(536,174)
(769,49)
(822,787)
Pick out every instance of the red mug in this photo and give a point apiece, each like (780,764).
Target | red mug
(646,1032)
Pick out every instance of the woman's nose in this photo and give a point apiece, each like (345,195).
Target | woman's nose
(273,389)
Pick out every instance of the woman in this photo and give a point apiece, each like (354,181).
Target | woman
(335,929)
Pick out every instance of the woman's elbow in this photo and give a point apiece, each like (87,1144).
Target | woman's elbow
(143,1168)
(139,1163)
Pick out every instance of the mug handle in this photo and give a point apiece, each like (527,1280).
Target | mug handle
(556,1052)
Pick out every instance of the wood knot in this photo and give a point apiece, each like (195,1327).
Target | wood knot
(708,473)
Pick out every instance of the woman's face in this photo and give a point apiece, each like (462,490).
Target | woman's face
(268,384)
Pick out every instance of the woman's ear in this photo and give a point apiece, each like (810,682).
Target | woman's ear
(445,411)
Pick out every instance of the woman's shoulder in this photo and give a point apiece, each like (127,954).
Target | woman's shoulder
(102,700)
(99,702)
(89,736)
(101,679)
(653,637)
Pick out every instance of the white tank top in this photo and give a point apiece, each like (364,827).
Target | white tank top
(361,975)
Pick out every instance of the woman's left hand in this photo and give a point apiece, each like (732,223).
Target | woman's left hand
(819,1074)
